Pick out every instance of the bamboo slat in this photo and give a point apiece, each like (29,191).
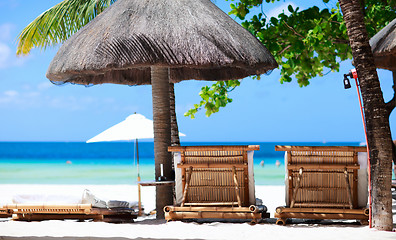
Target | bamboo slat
(213,148)
(47,206)
(42,217)
(320,204)
(321,148)
(363,211)
(209,209)
(245,177)
(201,215)
(320,167)
(348,190)
(293,200)
(186,187)
(211,204)
(211,165)
(320,215)
(236,186)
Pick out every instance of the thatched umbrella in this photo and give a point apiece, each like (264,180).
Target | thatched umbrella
(155,42)
(383,45)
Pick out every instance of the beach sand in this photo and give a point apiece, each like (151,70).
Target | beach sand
(149,228)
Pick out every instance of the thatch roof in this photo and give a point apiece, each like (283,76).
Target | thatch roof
(194,38)
(383,45)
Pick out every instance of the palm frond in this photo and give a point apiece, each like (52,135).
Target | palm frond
(58,23)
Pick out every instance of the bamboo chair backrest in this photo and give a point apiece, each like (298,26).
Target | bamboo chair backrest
(212,180)
(327,173)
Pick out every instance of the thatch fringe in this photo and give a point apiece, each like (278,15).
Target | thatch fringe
(383,45)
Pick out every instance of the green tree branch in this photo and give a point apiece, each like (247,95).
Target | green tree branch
(306,43)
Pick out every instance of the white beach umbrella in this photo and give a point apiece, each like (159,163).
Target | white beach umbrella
(134,127)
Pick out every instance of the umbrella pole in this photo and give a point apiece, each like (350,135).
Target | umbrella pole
(138,179)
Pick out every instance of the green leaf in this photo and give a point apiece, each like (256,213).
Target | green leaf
(290,8)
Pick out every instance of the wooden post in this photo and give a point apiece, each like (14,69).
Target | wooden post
(139,199)
(296,188)
(236,186)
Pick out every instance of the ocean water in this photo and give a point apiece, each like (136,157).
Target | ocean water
(113,162)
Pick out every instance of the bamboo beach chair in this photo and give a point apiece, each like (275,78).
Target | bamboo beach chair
(214,182)
(5,213)
(325,182)
(88,208)
(81,212)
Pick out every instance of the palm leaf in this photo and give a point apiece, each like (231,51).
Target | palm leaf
(58,23)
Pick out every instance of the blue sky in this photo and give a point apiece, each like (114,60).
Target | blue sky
(32,109)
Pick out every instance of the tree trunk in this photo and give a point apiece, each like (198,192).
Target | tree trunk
(377,122)
(162,135)
(175,140)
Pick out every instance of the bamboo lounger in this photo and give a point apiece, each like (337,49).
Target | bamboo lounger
(322,182)
(39,212)
(214,182)
(5,213)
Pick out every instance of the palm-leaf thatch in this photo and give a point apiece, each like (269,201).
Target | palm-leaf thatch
(383,45)
(194,39)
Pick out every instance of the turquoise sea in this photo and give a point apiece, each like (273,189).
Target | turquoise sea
(112,162)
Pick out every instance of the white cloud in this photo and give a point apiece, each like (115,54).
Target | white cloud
(8,96)
(11,93)
(8,58)
(5,53)
(5,31)
(281,9)
(36,96)
(9,4)
(44,85)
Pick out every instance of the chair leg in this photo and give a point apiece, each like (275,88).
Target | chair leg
(281,221)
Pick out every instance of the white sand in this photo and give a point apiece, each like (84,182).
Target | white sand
(148,228)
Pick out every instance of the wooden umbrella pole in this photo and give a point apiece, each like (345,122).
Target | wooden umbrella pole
(162,135)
